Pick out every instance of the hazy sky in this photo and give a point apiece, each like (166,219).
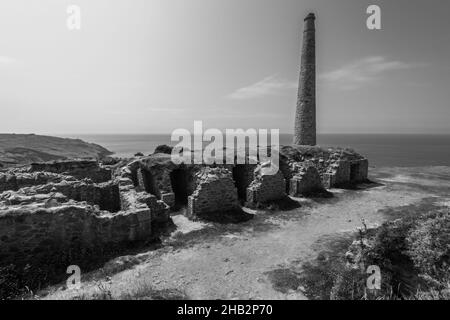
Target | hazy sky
(150,66)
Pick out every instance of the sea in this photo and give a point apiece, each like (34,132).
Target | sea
(382,150)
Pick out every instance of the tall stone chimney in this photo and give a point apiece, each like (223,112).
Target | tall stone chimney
(305,115)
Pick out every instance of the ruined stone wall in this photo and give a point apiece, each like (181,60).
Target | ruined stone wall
(153,175)
(66,221)
(105,195)
(215,193)
(306,182)
(147,182)
(346,172)
(79,169)
(50,233)
(132,199)
(163,182)
(158,208)
(16,180)
(337,174)
(266,187)
(359,170)
(61,166)
(160,166)
(337,167)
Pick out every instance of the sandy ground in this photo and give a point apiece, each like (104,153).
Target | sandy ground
(245,261)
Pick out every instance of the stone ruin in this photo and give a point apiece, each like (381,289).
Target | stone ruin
(304,171)
(79,169)
(336,167)
(215,193)
(74,212)
(265,187)
(305,182)
(204,191)
(61,213)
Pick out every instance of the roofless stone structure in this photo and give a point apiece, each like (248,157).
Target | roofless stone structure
(305,117)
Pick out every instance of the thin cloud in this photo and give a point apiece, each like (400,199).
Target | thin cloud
(354,75)
(271,85)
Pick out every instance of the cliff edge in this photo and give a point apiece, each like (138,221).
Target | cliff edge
(21,149)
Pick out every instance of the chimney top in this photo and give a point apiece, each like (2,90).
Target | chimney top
(310,16)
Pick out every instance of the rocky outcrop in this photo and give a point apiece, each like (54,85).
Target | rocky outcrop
(163,149)
(22,149)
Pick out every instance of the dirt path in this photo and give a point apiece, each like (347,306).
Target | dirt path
(211,261)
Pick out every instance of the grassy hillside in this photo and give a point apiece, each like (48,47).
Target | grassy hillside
(19,149)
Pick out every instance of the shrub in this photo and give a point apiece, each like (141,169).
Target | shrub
(429,245)
(10,282)
(163,149)
(17,282)
(412,253)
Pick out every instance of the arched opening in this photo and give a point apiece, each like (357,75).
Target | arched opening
(240,180)
(180,186)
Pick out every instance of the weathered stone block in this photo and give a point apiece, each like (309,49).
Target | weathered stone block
(266,187)
(305,182)
(337,174)
(79,169)
(215,193)
(359,170)
(33,233)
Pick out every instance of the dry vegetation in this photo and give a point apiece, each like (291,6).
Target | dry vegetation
(413,254)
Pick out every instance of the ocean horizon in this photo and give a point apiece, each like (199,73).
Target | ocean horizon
(382,150)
